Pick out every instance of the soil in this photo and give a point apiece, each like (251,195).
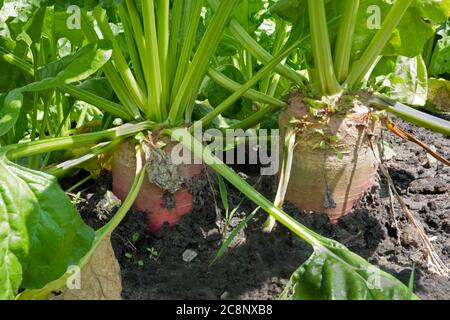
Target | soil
(176,263)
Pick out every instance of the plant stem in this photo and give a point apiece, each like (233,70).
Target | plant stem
(120,62)
(376,46)
(280,39)
(175,28)
(139,38)
(44,120)
(285,173)
(79,184)
(197,69)
(428,51)
(33,162)
(57,134)
(193,16)
(256,118)
(154,84)
(257,50)
(28,149)
(410,114)
(248,63)
(16,61)
(344,42)
(62,169)
(245,87)
(251,94)
(110,71)
(325,78)
(163,19)
(132,46)
(101,103)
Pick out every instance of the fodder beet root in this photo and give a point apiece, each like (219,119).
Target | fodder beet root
(164,196)
(330,175)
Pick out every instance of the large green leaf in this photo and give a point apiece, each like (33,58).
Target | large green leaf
(440,60)
(75,67)
(402,79)
(335,273)
(34,25)
(41,233)
(248,14)
(408,39)
(98,86)
(69,69)
(439,95)
(10,112)
(57,26)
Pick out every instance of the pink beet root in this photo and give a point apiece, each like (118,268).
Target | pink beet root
(151,199)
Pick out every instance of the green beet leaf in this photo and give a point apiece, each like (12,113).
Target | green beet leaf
(408,39)
(440,61)
(41,233)
(248,14)
(69,69)
(335,273)
(402,79)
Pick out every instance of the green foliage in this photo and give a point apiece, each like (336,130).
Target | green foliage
(56,28)
(335,273)
(402,79)
(98,86)
(249,14)
(440,60)
(69,69)
(408,38)
(439,95)
(41,233)
(216,94)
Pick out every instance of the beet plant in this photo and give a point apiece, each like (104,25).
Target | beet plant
(145,82)
(333,163)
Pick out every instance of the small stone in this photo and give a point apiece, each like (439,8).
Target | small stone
(432,205)
(383,261)
(189,255)
(89,196)
(431,161)
(224,295)
(213,235)
(409,237)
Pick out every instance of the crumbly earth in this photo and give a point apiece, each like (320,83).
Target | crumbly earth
(257,266)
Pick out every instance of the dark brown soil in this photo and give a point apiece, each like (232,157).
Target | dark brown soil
(258,265)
